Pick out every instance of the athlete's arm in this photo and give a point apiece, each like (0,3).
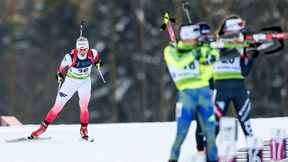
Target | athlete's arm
(66,61)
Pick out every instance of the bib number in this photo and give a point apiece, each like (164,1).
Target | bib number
(190,66)
(227,61)
(190,71)
(228,65)
(84,70)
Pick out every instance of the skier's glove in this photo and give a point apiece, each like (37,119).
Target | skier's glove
(202,39)
(210,59)
(255,54)
(99,63)
(59,77)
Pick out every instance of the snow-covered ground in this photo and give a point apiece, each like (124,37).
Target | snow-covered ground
(133,142)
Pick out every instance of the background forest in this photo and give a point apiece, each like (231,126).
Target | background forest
(36,34)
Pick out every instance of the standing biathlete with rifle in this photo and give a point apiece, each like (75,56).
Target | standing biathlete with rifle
(79,62)
(229,76)
(190,70)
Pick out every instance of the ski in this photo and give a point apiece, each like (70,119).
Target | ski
(26,139)
(87,139)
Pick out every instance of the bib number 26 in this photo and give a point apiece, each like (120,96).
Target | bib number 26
(84,70)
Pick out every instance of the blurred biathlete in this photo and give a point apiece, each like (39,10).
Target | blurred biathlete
(204,39)
(79,62)
(190,70)
(229,75)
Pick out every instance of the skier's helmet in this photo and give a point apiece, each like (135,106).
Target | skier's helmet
(188,32)
(82,43)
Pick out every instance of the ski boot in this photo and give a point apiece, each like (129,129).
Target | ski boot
(200,149)
(84,131)
(40,130)
(172,161)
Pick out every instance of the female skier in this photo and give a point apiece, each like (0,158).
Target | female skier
(79,62)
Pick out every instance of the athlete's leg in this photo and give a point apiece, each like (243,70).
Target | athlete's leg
(65,93)
(67,90)
(184,115)
(243,108)
(221,103)
(207,121)
(199,135)
(84,93)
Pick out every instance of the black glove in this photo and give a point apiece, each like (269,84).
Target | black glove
(254,53)
(59,77)
(210,59)
(202,39)
(99,63)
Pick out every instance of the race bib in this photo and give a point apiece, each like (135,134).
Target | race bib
(80,71)
(190,71)
(228,65)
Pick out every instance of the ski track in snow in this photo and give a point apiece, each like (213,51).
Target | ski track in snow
(131,142)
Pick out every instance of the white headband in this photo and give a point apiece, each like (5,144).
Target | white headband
(189,32)
(82,44)
(234,24)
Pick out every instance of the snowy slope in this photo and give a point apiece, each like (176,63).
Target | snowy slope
(135,142)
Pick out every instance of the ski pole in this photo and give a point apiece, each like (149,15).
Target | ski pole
(59,86)
(98,68)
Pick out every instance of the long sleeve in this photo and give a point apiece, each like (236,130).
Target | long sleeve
(205,51)
(66,61)
(246,64)
(95,56)
(171,57)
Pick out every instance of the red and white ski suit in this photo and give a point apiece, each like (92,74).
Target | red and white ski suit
(77,79)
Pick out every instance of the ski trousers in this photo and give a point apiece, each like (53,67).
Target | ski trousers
(69,87)
(195,102)
(233,90)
